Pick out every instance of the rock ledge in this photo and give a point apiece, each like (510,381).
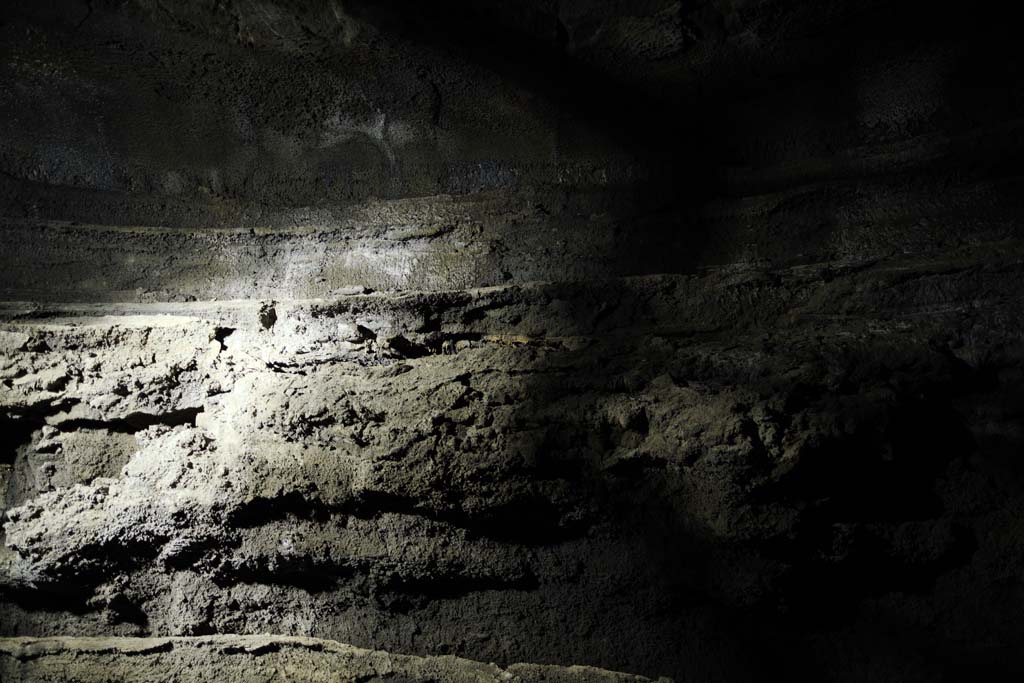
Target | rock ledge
(230,658)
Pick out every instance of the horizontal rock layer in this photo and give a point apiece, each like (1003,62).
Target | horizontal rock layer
(251,658)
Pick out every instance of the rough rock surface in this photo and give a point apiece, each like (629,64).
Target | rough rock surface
(680,339)
(427,470)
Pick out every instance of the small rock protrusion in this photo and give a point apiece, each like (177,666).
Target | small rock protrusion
(354,290)
(354,333)
(267,316)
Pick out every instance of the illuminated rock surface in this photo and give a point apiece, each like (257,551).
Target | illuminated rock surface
(677,339)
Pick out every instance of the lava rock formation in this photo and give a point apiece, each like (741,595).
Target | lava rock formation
(379,340)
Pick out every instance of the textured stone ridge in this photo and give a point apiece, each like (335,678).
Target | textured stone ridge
(240,659)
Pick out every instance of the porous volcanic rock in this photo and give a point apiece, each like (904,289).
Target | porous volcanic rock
(673,338)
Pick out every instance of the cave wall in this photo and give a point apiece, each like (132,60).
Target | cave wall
(677,339)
